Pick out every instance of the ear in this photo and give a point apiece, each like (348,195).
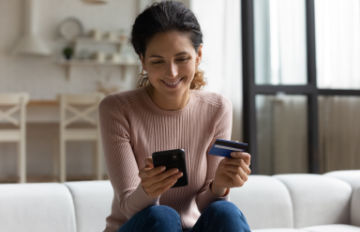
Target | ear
(199,55)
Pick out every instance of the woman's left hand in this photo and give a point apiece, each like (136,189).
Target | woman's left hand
(231,172)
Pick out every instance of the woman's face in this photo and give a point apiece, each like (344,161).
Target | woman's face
(171,61)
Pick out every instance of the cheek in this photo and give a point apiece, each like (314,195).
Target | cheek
(154,72)
(188,68)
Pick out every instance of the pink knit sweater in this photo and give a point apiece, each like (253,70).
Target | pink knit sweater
(133,127)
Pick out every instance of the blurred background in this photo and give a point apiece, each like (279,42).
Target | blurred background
(290,68)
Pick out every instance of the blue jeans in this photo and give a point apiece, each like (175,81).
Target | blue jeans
(219,216)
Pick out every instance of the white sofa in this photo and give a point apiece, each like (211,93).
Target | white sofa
(280,203)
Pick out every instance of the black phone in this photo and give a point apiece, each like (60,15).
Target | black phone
(172,159)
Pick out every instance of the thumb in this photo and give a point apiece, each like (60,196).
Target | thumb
(149,162)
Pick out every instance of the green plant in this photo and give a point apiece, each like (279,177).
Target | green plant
(68,52)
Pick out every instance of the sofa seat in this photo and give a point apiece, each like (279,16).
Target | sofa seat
(279,203)
(322,228)
(332,228)
(279,230)
(301,202)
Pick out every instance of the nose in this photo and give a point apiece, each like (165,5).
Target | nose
(171,70)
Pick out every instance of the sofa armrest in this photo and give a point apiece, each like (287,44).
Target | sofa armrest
(355,207)
(36,207)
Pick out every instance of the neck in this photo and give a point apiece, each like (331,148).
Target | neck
(169,103)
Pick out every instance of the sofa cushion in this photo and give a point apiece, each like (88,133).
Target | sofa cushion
(353,178)
(318,199)
(355,207)
(265,202)
(92,201)
(350,176)
(279,230)
(36,207)
(332,228)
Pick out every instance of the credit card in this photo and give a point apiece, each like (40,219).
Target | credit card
(223,147)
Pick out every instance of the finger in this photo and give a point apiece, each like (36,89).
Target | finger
(243,175)
(242,155)
(246,157)
(235,180)
(233,164)
(160,187)
(243,170)
(246,168)
(231,168)
(170,181)
(232,161)
(149,162)
(150,172)
(160,178)
(161,190)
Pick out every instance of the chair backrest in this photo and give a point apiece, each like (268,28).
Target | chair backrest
(79,108)
(12,105)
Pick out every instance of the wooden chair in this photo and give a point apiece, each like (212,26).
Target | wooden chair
(80,108)
(13,113)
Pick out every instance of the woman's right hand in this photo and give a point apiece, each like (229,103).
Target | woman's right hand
(156,181)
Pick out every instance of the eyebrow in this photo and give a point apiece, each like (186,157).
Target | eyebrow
(177,54)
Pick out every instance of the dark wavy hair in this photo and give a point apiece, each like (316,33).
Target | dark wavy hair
(162,17)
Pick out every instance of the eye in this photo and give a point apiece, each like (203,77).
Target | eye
(156,62)
(182,59)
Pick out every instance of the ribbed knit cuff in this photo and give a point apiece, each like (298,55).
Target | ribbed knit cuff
(224,195)
(142,200)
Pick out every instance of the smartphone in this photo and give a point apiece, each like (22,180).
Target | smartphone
(172,159)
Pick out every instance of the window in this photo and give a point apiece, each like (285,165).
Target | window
(300,70)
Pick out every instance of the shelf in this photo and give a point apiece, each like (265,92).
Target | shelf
(93,63)
(104,41)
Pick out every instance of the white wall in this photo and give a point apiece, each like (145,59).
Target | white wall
(20,73)
(43,79)
(220,24)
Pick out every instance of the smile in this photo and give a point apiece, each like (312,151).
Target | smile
(172,84)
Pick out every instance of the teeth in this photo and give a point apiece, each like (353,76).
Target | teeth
(172,83)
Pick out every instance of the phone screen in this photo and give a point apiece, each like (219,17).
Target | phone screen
(172,159)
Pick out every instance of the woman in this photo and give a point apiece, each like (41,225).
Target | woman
(169,111)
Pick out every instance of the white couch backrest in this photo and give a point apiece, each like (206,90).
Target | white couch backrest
(350,176)
(92,201)
(353,178)
(355,207)
(318,199)
(36,207)
(265,202)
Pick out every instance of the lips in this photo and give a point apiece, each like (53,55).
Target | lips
(172,84)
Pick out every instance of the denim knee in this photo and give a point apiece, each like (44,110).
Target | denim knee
(227,213)
(161,212)
(153,219)
(162,218)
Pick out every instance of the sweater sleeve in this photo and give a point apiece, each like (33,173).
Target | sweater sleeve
(222,127)
(122,167)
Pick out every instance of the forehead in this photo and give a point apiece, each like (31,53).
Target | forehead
(169,43)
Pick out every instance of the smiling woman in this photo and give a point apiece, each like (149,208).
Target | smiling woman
(169,111)
(171,62)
